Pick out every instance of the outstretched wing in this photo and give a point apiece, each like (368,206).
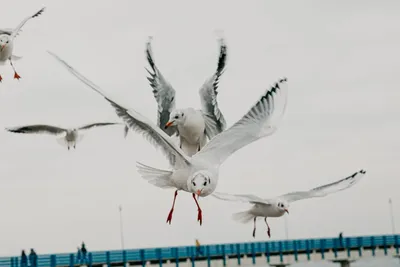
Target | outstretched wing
(88,126)
(6,31)
(136,121)
(163,93)
(247,198)
(260,121)
(18,28)
(214,120)
(324,190)
(39,128)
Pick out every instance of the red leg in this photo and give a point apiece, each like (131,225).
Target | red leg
(199,214)
(172,209)
(254,230)
(16,75)
(269,230)
(1,79)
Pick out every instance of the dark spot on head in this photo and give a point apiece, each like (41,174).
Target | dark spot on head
(194,183)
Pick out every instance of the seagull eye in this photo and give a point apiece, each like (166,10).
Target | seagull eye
(176,117)
(205,183)
(194,183)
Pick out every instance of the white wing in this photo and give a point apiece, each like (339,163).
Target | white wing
(136,121)
(257,123)
(163,92)
(89,126)
(324,190)
(214,120)
(6,31)
(39,128)
(18,28)
(247,198)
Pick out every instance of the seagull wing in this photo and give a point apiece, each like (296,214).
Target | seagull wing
(18,28)
(247,198)
(136,122)
(30,129)
(260,121)
(88,126)
(214,120)
(163,92)
(324,190)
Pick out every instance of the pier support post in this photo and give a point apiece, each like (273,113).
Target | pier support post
(343,262)
(279,264)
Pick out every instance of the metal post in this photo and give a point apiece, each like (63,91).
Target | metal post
(121,227)
(391,216)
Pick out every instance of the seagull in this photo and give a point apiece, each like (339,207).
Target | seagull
(191,125)
(7,43)
(198,174)
(277,207)
(69,138)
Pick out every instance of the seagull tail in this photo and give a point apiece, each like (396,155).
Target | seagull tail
(243,217)
(154,176)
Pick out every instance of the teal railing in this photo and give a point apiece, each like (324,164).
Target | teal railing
(221,251)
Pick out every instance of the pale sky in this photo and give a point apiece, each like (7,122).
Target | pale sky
(341,59)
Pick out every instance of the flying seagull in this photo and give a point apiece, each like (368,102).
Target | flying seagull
(277,207)
(7,43)
(68,137)
(191,125)
(199,174)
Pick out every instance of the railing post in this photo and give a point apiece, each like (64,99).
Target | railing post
(373,246)
(108,259)
(267,251)
(158,253)
(12,262)
(396,243)
(322,248)
(176,257)
(335,247)
(141,252)
(71,260)
(238,254)
(253,254)
(295,250)
(308,249)
(124,258)
(90,259)
(348,247)
(384,245)
(360,246)
(192,256)
(280,251)
(223,255)
(53,261)
(208,256)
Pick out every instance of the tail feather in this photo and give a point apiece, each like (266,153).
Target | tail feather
(243,217)
(154,176)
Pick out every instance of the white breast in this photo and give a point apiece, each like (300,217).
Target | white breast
(193,128)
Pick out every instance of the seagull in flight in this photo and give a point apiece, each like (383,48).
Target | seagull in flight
(277,207)
(7,43)
(68,137)
(191,125)
(199,174)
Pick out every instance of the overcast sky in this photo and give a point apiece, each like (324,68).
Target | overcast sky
(342,62)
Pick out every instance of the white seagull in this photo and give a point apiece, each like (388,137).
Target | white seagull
(276,207)
(7,43)
(199,174)
(191,125)
(68,138)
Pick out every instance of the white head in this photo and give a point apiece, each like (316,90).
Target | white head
(200,184)
(4,40)
(175,118)
(282,206)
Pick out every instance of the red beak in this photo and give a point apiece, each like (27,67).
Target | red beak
(168,124)
(287,211)
(2,47)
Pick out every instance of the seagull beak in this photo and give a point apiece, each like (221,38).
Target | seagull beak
(198,192)
(286,211)
(2,47)
(168,124)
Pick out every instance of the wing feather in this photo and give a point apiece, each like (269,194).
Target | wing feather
(88,126)
(247,198)
(327,189)
(260,121)
(18,28)
(39,128)
(214,120)
(136,121)
(163,92)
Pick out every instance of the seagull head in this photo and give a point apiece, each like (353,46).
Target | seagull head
(283,207)
(176,117)
(200,184)
(4,41)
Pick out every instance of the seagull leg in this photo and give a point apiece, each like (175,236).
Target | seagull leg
(254,230)
(1,79)
(269,229)
(172,209)
(16,76)
(199,214)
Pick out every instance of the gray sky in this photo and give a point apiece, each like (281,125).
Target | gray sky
(342,62)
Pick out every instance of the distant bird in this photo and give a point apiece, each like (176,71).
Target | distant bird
(191,125)
(276,207)
(69,138)
(199,174)
(7,43)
